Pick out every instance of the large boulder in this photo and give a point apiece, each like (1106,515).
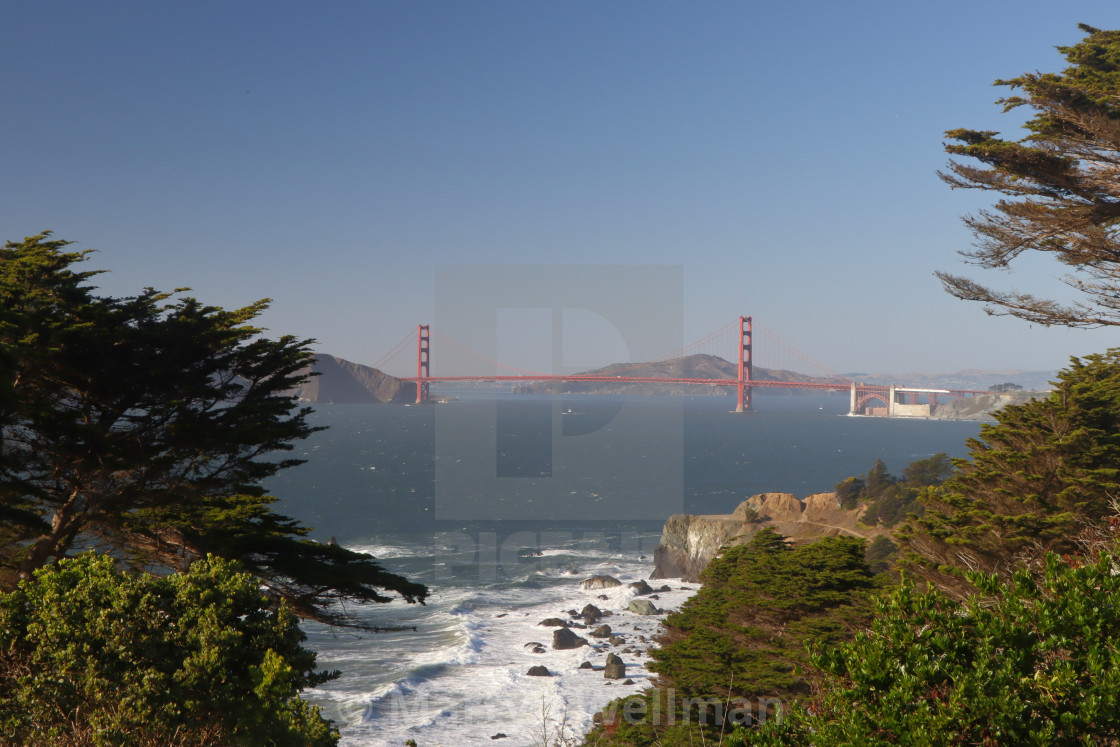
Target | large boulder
(563,638)
(599,582)
(590,613)
(641,588)
(539,671)
(554,622)
(603,631)
(615,669)
(642,607)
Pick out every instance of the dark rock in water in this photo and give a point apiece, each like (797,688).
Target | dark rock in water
(591,613)
(665,587)
(599,582)
(499,735)
(539,671)
(628,682)
(654,596)
(615,669)
(641,588)
(562,638)
(554,622)
(603,631)
(603,597)
(535,648)
(642,607)
(586,665)
(615,640)
(529,552)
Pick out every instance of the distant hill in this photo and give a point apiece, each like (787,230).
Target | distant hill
(690,367)
(340,381)
(972,378)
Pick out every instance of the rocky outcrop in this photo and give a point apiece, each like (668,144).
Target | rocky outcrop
(642,607)
(340,381)
(591,614)
(688,542)
(982,406)
(563,639)
(641,588)
(599,582)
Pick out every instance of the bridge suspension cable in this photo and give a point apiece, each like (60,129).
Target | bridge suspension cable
(483,358)
(407,341)
(797,353)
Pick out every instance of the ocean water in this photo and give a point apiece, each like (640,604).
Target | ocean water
(502,504)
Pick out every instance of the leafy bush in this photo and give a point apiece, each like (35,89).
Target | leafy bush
(1026,662)
(91,656)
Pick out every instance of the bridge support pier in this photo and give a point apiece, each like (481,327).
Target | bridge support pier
(746,366)
(852,405)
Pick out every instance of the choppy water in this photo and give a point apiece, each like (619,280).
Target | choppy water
(460,497)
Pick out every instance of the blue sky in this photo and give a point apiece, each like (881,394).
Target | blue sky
(332,155)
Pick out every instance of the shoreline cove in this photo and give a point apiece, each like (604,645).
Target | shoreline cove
(464,674)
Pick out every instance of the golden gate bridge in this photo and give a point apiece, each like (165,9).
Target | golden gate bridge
(742,342)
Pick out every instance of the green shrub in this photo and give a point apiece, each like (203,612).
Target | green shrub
(89,655)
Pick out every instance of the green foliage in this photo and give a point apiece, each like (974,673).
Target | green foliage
(888,499)
(926,472)
(1039,478)
(1056,186)
(744,634)
(1028,662)
(89,655)
(880,554)
(849,491)
(750,514)
(877,481)
(1007,387)
(145,426)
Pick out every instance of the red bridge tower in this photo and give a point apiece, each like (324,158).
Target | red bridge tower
(745,365)
(422,370)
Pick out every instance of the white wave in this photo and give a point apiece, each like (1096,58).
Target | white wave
(475,684)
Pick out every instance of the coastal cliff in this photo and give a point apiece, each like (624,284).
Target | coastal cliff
(689,542)
(340,381)
(983,406)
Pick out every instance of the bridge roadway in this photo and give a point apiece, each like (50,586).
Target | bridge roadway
(818,386)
